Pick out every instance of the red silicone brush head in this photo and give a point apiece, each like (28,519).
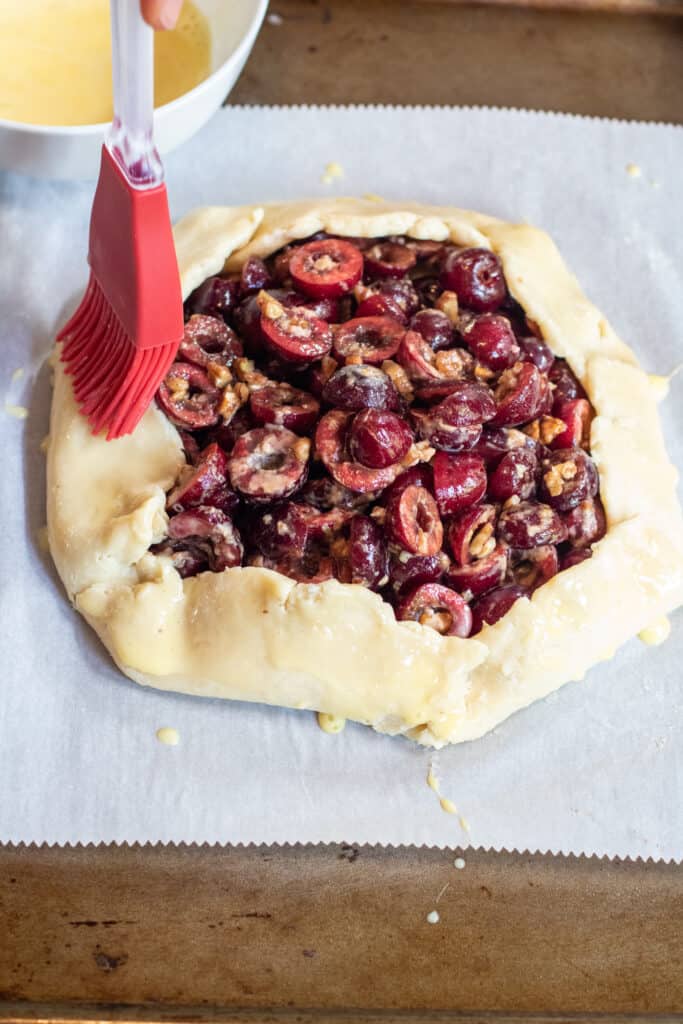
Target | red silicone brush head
(123,337)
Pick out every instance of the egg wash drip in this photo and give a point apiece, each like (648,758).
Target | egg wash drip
(55,60)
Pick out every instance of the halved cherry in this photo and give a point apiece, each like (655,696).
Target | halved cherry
(213,528)
(534,567)
(586,523)
(535,350)
(328,267)
(330,444)
(426,250)
(358,386)
(492,340)
(568,477)
(208,340)
(519,395)
(188,559)
(417,358)
(365,557)
(388,259)
(435,327)
(495,442)
(204,484)
(443,435)
(516,475)
(255,276)
(566,383)
(217,296)
(438,607)
(407,571)
(417,476)
(530,524)
(325,494)
(576,414)
(269,463)
(379,438)
(488,609)
(188,397)
(281,530)
(472,533)
(381,305)
(476,578)
(476,276)
(459,481)
(371,338)
(190,446)
(286,406)
(294,334)
(413,521)
(467,403)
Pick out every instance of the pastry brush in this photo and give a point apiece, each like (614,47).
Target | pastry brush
(123,337)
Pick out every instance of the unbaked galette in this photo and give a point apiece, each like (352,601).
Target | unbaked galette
(402,471)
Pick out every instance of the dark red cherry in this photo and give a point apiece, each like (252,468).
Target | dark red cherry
(329,267)
(293,333)
(208,340)
(413,521)
(388,259)
(491,338)
(476,276)
(519,395)
(438,607)
(381,305)
(459,481)
(331,438)
(366,562)
(269,463)
(407,570)
(443,435)
(372,339)
(255,276)
(472,533)
(379,438)
(417,476)
(488,609)
(535,350)
(565,382)
(225,434)
(497,441)
(576,414)
(286,406)
(568,477)
(478,577)
(532,568)
(216,297)
(435,327)
(188,397)
(515,475)
(325,494)
(529,524)
(358,386)
(586,523)
(211,530)
(204,484)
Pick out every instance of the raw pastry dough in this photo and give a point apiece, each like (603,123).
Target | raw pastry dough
(252,634)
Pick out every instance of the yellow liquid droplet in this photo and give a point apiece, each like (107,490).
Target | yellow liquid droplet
(169,737)
(17,412)
(656,633)
(55,60)
(330,723)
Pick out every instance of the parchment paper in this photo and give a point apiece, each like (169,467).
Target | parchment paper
(596,768)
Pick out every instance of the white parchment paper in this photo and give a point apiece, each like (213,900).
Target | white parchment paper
(596,768)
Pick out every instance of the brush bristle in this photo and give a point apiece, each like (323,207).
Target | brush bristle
(113,381)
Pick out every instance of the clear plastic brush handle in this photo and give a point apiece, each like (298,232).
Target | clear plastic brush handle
(131,137)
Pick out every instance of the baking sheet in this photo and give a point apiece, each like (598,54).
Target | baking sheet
(595,768)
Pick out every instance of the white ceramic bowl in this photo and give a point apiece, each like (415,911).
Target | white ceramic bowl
(48,151)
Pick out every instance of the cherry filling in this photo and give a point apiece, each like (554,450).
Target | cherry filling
(399,424)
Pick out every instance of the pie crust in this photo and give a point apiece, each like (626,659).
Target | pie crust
(252,634)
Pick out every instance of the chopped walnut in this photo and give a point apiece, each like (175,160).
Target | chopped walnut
(302,449)
(551,427)
(327,367)
(179,388)
(232,399)
(219,374)
(379,514)
(447,302)
(355,359)
(452,362)
(483,542)
(418,452)
(533,430)
(399,379)
(270,308)
(557,475)
(483,372)
(246,371)
(361,292)
(512,501)
(440,621)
